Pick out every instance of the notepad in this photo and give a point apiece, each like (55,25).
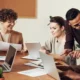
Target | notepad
(33,72)
(4,46)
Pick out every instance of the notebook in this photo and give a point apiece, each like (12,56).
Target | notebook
(33,49)
(8,63)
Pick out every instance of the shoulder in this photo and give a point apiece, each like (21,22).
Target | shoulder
(51,39)
(16,32)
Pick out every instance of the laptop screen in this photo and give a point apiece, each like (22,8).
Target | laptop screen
(49,65)
(10,56)
(33,49)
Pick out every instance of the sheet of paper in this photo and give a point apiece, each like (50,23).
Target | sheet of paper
(29,57)
(37,71)
(34,65)
(2,58)
(4,46)
(39,62)
(17,46)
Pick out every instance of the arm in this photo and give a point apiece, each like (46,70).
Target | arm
(23,45)
(69,37)
(58,57)
(68,47)
(44,50)
(47,48)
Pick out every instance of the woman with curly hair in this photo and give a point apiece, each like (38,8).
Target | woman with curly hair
(7,22)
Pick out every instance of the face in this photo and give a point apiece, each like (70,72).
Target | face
(75,23)
(56,30)
(8,25)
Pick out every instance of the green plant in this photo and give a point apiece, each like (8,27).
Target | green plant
(1,72)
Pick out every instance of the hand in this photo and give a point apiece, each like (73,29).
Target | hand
(42,50)
(66,51)
(75,54)
(71,74)
(58,57)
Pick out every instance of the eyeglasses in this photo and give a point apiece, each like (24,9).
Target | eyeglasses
(77,25)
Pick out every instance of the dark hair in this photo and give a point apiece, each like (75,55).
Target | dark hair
(72,13)
(7,14)
(58,19)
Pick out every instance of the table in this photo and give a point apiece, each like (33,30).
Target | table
(19,66)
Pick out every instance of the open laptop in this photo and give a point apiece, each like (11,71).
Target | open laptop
(51,69)
(49,65)
(8,63)
(33,49)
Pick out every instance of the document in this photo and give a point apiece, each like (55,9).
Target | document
(4,46)
(34,65)
(17,46)
(37,71)
(38,63)
(2,58)
(30,57)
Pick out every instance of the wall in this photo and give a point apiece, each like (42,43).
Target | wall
(36,29)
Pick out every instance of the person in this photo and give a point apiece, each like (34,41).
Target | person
(8,18)
(55,45)
(72,32)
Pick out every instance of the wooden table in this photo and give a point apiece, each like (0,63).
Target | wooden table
(19,66)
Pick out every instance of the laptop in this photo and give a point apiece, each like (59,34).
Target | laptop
(8,63)
(51,69)
(49,65)
(33,50)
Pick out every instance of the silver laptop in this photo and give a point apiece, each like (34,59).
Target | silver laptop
(49,65)
(33,49)
(8,63)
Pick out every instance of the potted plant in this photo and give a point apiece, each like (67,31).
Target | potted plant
(1,74)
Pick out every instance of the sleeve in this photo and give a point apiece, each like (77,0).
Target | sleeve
(21,40)
(48,45)
(69,37)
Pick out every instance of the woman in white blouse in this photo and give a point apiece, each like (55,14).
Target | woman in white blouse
(55,45)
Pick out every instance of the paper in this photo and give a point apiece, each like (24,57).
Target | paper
(34,65)
(33,72)
(4,46)
(30,57)
(17,46)
(39,62)
(2,58)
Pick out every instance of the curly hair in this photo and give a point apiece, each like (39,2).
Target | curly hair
(7,14)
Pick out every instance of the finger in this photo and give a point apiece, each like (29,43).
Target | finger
(74,54)
(71,53)
(78,55)
(66,51)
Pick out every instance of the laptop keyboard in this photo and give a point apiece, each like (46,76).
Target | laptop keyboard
(4,68)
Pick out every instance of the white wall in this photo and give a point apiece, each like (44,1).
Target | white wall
(36,29)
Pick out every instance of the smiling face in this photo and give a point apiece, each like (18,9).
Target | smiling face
(75,23)
(56,30)
(7,25)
